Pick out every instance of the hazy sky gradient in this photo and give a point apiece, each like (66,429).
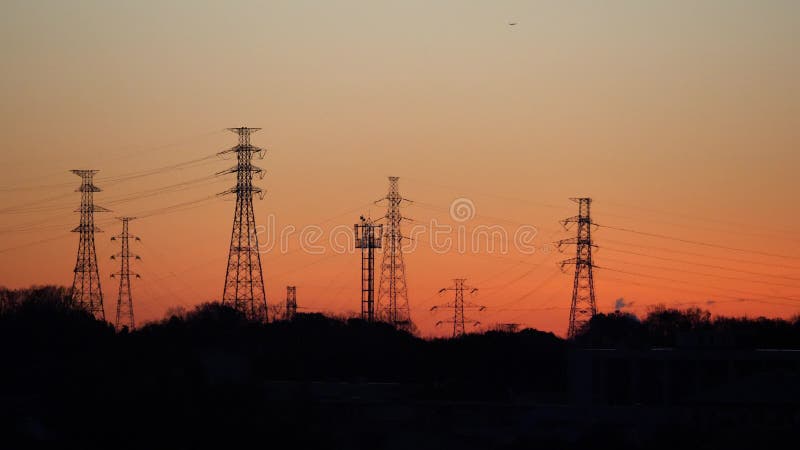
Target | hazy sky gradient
(651,108)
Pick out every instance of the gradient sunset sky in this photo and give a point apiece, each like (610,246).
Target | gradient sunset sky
(681,119)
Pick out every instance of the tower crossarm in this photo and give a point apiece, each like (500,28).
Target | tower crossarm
(247,168)
(91,208)
(242,189)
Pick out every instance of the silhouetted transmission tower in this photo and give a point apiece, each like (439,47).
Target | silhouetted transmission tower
(86,291)
(368,238)
(244,281)
(124,298)
(291,302)
(583,306)
(459,321)
(393,294)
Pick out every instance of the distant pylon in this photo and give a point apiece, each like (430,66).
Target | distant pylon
(393,293)
(583,306)
(367,238)
(124,298)
(458,304)
(86,291)
(244,281)
(291,302)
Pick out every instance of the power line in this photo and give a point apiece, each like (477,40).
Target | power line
(31,206)
(673,280)
(700,228)
(27,206)
(706,244)
(672,287)
(130,154)
(48,223)
(439,208)
(158,170)
(176,187)
(178,207)
(702,255)
(499,197)
(700,218)
(552,298)
(155,281)
(545,281)
(551,276)
(162,258)
(714,266)
(712,275)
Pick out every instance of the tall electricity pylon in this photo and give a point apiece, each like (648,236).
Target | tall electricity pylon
(86,291)
(124,298)
(291,302)
(583,306)
(244,281)
(368,238)
(393,293)
(458,304)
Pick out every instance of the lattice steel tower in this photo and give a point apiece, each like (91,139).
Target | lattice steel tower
(244,280)
(291,302)
(124,298)
(583,306)
(86,291)
(458,305)
(368,238)
(393,293)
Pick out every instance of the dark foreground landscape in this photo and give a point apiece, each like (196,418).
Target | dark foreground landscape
(208,378)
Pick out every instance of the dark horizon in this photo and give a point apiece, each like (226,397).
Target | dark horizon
(192,379)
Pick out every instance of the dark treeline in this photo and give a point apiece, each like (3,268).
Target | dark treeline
(689,328)
(209,376)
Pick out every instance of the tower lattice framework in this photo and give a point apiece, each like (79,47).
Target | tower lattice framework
(367,238)
(583,305)
(291,302)
(458,305)
(392,304)
(86,290)
(244,280)
(124,317)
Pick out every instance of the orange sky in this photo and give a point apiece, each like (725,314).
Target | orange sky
(680,119)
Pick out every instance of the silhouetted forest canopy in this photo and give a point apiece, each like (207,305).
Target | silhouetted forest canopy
(193,375)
